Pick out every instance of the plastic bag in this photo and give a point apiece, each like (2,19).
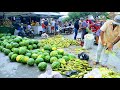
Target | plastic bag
(88,41)
(104,56)
(16,32)
(50,74)
(95,73)
(114,61)
(83,56)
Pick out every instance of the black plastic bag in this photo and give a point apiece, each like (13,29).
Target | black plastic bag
(83,56)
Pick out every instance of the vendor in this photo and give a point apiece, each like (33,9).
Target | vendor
(109,36)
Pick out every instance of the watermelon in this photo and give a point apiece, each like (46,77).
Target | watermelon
(21,43)
(55,65)
(31,42)
(18,58)
(71,56)
(41,56)
(25,59)
(15,45)
(54,54)
(7,51)
(34,56)
(17,40)
(42,66)
(62,61)
(38,60)
(54,48)
(53,59)
(10,54)
(66,54)
(66,58)
(13,57)
(40,45)
(36,42)
(60,51)
(22,51)
(28,54)
(34,46)
(45,53)
(47,58)
(1,47)
(9,46)
(39,53)
(59,56)
(47,47)
(16,50)
(31,62)
(30,47)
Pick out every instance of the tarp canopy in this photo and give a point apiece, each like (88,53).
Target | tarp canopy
(9,14)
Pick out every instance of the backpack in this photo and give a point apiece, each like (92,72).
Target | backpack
(83,56)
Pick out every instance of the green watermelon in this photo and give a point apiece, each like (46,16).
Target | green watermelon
(13,57)
(25,59)
(66,58)
(16,50)
(9,46)
(7,51)
(47,58)
(1,47)
(34,56)
(59,56)
(22,51)
(38,60)
(60,51)
(34,46)
(18,58)
(17,40)
(15,45)
(28,54)
(45,53)
(42,66)
(30,47)
(10,54)
(21,43)
(36,42)
(31,62)
(55,65)
(53,59)
(47,47)
(54,54)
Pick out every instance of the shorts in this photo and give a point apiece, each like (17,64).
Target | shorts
(52,27)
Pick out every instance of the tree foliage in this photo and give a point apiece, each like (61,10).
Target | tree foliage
(75,15)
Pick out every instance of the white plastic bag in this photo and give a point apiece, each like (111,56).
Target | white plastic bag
(95,73)
(88,41)
(16,32)
(50,74)
(114,61)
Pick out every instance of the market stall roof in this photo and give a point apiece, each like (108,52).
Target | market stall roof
(29,14)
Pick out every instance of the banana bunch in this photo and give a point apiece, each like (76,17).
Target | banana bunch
(108,73)
(82,67)
(59,41)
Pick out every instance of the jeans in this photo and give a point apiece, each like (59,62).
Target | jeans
(101,55)
(83,33)
(76,32)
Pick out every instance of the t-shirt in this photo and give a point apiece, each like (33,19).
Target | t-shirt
(46,23)
(84,24)
(53,23)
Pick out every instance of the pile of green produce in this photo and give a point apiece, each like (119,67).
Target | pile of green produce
(109,73)
(59,41)
(81,67)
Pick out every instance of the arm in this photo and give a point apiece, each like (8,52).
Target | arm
(110,46)
(102,37)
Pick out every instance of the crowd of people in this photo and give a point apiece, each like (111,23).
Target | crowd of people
(86,25)
(107,34)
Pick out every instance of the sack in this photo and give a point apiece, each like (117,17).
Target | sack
(114,61)
(95,73)
(104,56)
(83,56)
(50,74)
(88,41)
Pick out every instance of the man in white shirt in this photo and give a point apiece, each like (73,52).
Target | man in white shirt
(52,25)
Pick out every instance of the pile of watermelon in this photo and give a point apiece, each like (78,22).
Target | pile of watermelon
(31,52)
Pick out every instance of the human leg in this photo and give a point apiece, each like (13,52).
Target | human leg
(76,31)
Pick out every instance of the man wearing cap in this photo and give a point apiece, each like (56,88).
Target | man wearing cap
(109,36)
